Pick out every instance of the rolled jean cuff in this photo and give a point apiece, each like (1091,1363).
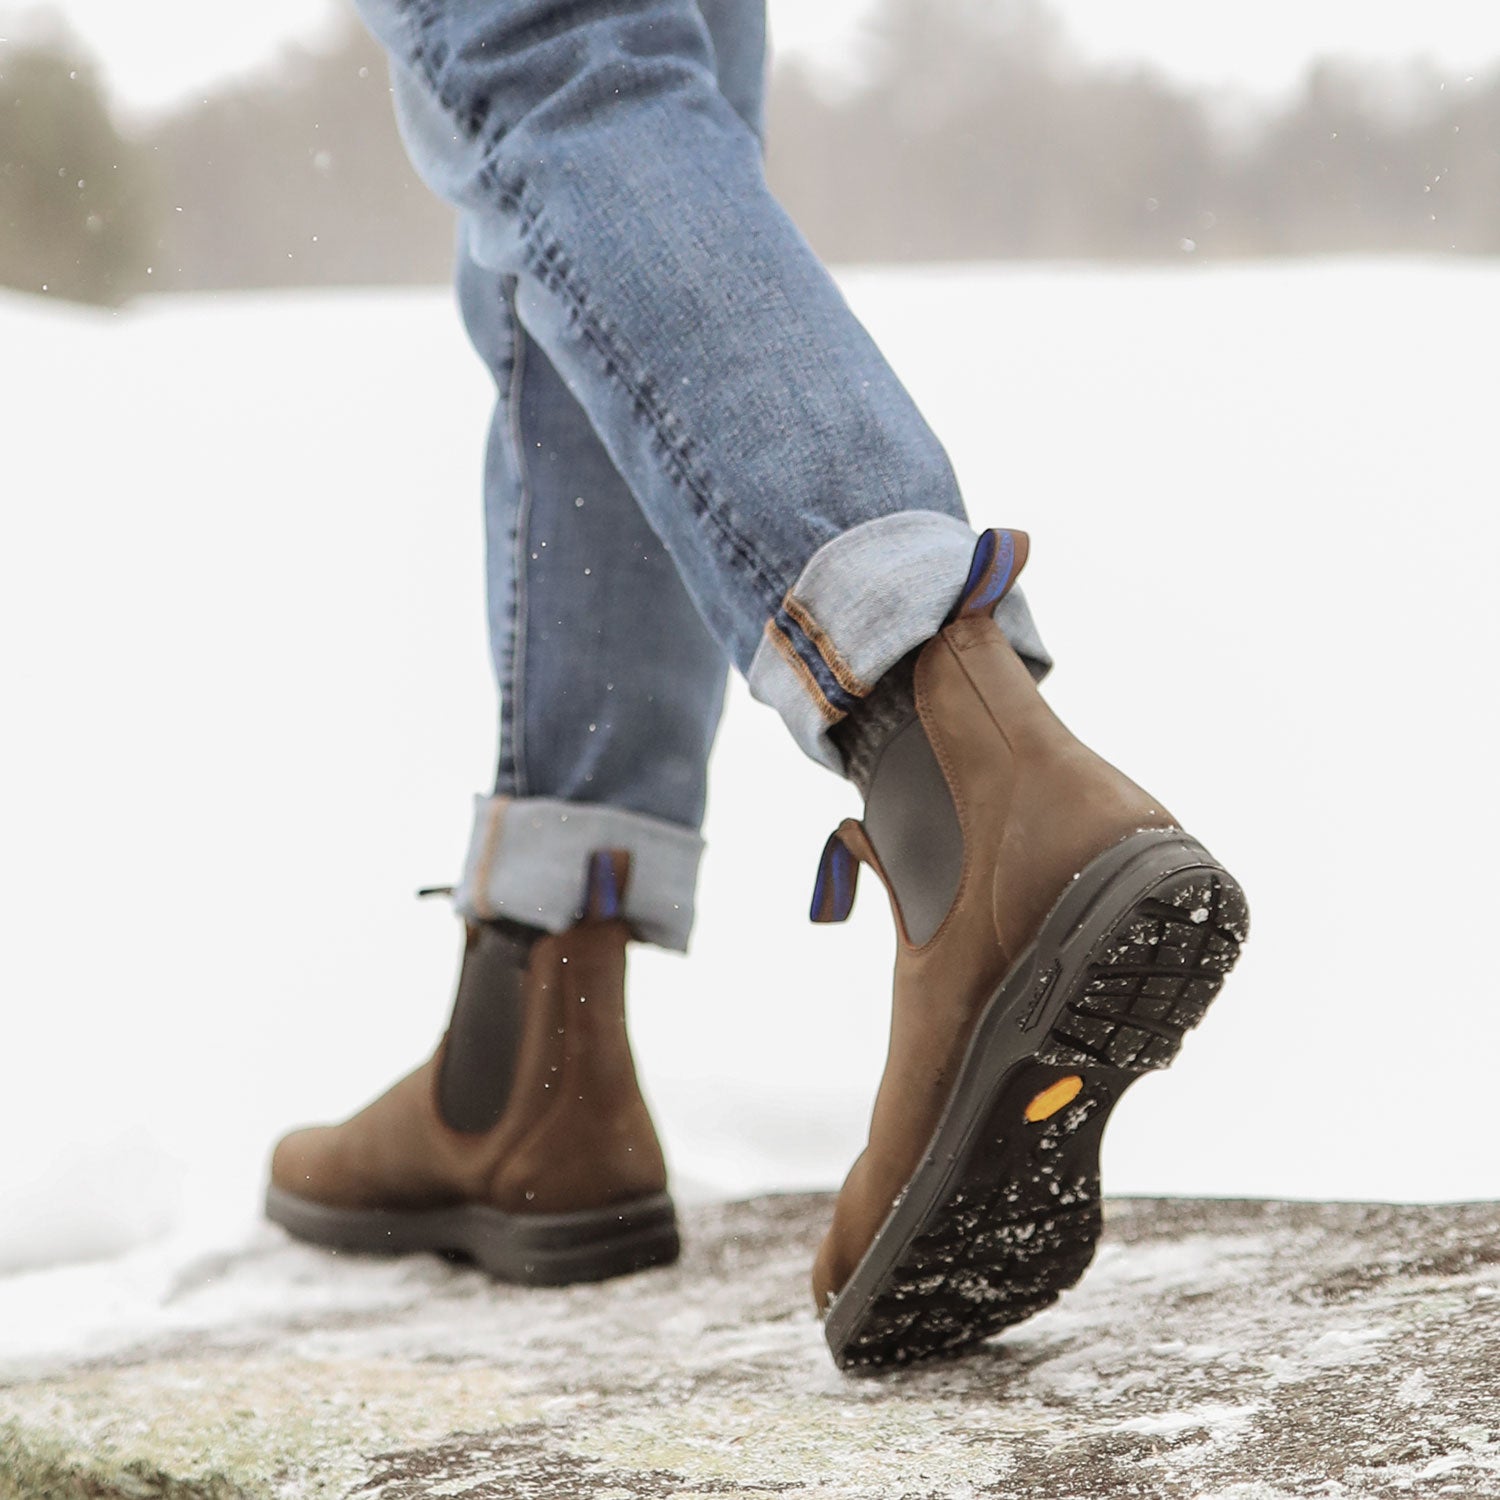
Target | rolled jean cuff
(528,862)
(863,601)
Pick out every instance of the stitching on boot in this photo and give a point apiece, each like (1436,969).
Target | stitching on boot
(970,640)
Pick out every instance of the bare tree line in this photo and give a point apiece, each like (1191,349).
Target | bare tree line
(976,135)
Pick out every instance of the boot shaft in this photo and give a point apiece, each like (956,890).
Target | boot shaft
(575,1130)
(477,1065)
(532,1005)
(984,787)
(1035,804)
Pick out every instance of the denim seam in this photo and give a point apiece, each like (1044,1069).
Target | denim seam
(548,259)
(430,58)
(811,662)
(494,818)
(818,637)
(788,653)
(519,546)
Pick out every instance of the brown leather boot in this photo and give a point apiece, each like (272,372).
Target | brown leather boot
(523,1142)
(1057,933)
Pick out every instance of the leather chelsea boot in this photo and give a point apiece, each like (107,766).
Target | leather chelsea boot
(1057,933)
(523,1142)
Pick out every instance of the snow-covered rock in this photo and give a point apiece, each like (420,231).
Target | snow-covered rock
(1216,1351)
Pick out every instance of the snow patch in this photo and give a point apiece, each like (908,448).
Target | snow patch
(1415,1390)
(1221,1423)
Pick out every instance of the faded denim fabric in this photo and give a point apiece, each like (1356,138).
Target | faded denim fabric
(698,455)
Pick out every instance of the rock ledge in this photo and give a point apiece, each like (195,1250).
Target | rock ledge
(1249,1351)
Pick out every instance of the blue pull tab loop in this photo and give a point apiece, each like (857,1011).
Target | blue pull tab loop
(608,873)
(838,875)
(998,559)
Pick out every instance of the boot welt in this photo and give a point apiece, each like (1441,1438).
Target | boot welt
(532,1249)
(1003,1213)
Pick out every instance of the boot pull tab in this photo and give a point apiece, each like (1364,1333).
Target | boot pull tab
(998,559)
(608,875)
(838,875)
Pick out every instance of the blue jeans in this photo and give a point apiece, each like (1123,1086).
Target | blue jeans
(698,456)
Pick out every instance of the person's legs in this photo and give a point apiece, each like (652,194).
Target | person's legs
(1057,932)
(610,685)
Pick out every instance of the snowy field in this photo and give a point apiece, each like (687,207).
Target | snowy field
(247,701)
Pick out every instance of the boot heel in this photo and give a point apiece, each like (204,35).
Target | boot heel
(1152,976)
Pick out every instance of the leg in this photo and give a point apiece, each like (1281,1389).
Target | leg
(611,689)
(811,512)
(610,685)
(1057,934)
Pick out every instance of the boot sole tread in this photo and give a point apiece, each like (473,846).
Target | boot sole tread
(1004,1214)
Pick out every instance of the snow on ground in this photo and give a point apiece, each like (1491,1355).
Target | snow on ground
(247,698)
(1224,1351)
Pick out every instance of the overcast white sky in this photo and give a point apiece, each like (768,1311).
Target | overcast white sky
(156,51)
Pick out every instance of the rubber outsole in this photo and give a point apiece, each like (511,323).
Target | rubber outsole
(531,1249)
(1003,1214)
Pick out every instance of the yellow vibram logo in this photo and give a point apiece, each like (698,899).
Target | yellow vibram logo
(1053,1098)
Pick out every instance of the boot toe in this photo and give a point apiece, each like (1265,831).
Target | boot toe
(828,1274)
(298,1164)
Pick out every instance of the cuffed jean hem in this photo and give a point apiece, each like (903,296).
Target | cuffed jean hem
(528,862)
(862,602)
